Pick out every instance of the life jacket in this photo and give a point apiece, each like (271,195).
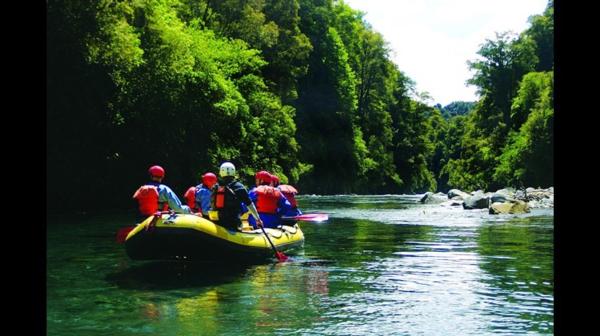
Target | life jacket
(147,197)
(190,198)
(222,197)
(290,193)
(267,199)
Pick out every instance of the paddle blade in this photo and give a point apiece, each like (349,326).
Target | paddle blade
(316,217)
(122,234)
(281,257)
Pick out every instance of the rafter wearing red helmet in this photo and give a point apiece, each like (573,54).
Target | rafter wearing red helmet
(155,196)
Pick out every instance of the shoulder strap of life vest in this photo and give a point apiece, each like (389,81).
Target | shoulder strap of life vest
(218,195)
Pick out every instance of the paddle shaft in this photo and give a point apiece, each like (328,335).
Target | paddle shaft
(269,239)
(280,256)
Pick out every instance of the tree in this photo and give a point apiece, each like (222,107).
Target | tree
(528,156)
(456,108)
(505,60)
(542,34)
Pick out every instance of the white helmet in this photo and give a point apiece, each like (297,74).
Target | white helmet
(227,169)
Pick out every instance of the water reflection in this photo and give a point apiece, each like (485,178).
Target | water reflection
(267,298)
(519,259)
(173,275)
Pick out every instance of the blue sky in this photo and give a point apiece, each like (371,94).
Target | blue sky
(432,40)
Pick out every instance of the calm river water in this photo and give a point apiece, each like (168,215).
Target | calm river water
(381,265)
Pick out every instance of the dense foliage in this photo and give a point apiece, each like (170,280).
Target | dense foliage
(303,88)
(456,108)
(508,138)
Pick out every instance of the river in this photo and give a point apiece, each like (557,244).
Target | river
(381,265)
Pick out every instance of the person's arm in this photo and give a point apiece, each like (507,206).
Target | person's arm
(246,198)
(174,203)
(284,204)
(205,196)
(252,208)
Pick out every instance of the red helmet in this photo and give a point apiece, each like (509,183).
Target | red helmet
(264,176)
(209,179)
(274,180)
(156,171)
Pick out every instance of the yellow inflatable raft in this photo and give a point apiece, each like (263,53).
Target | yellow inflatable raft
(190,237)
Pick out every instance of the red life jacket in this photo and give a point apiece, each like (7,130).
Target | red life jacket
(267,199)
(147,197)
(290,193)
(190,198)
(219,198)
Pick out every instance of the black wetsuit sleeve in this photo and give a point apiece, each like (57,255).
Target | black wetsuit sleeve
(241,193)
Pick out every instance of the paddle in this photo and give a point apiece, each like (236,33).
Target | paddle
(316,217)
(123,232)
(280,256)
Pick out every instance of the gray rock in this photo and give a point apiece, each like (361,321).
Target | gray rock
(498,198)
(477,201)
(456,194)
(521,195)
(452,203)
(502,196)
(509,192)
(431,198)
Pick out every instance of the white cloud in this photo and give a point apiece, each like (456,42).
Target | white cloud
(432,40)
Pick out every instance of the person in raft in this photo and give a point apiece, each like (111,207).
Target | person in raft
(229,197)
(269,200)
(155,196)
(290,194)
(198,197)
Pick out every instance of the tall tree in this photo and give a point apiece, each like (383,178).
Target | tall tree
(288,58)
(505,60)
(541,32)
(412,149)
(527,159)
(375,80)
(327,106)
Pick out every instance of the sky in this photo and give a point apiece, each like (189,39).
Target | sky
(432,40)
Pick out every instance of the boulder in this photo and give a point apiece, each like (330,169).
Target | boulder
(477,201)
(542,203)
(516,207)
(456,194)
(538,195)
(431,198)
(532,194)
(508,192)
(501,196)
(521,195)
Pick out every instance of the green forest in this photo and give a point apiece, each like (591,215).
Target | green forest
(305,89)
